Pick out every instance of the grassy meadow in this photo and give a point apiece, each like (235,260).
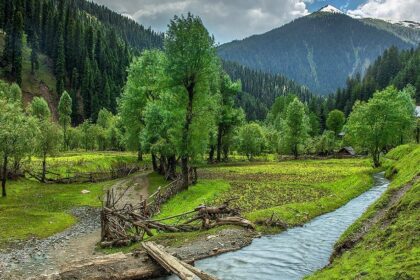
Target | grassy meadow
(390,250)
(295,191)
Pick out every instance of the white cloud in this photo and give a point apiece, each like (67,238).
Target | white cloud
(227,20)
(389,9)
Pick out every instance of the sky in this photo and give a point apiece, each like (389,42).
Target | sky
(231,20)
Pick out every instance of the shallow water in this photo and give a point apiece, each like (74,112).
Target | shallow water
(296,252)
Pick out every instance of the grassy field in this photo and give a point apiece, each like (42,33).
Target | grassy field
(67,164)
(391,249)
(32,209)
(296,191)
(40,210)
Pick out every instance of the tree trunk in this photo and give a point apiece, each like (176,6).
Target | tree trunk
(226,153)
(375,157)
(418,135)
(44,168)
(139,155)
(65,137)
(171,169)
(219,143)
(154,163)
(185,136)
(211,154)
(184,170)
(162,165)
(4,177)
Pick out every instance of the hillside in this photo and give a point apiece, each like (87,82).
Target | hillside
(260,90)
(82,47)
(393,67)
(319,50)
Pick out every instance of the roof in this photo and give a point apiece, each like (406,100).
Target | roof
(349,150)
(418,111)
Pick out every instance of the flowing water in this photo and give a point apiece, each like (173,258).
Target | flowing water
(296,252)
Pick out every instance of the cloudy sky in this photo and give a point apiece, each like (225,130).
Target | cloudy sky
(236,19)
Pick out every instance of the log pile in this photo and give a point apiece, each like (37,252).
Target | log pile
(124,224)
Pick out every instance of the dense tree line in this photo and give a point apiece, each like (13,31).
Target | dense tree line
(259,89)
(90,47)
(394,67)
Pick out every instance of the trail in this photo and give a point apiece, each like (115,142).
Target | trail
(45,256)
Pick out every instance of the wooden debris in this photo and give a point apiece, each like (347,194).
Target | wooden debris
(122,225)
(171,264)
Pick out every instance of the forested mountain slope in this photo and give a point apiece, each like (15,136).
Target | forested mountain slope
(260,90)
(319,50)
(85,46)
(394,67)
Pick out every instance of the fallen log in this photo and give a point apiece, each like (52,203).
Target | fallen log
(203,275)
(169,262)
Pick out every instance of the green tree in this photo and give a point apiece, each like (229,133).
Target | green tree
(64,115)
(17,46)
(144,82)
(192,66)
(48,136)
(60,70)
(16,131)
(374,125)
(251,140)
(295,127)
(34,55)
(228,117)
(39,109)
(335,121)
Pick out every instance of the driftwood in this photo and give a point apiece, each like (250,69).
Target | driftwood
(169,262)
(122,225)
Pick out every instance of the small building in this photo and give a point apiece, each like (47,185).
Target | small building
(346,152)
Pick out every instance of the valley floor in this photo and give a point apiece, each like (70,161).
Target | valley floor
(291,191)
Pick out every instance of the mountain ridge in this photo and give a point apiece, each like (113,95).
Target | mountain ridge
(320,50)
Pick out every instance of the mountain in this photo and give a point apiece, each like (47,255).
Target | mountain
(320,50)
(80,47)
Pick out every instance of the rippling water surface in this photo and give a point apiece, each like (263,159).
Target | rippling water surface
(296,252)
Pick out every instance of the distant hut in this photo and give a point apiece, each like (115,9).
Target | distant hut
(346,152)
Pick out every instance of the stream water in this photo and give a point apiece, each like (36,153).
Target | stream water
(296,252)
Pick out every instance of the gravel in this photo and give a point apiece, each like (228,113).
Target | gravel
(26,258)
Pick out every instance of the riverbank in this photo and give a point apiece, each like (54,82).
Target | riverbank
(384,242)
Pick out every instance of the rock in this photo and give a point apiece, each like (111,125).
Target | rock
(211,237)
(85,192)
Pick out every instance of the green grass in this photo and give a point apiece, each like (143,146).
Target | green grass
(391,249)
(32,209)
(68,164)
(295,191)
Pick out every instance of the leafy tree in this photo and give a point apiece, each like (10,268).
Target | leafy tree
(48,135)
(325,143)
(251,140)
(39,109)
(143,84)
(192,66)
(335,121)
(295,127)
(16,131)
(228,117)
(64,115)
(373,125)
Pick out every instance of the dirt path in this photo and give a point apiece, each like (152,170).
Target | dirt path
(76,243)
(379,216)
